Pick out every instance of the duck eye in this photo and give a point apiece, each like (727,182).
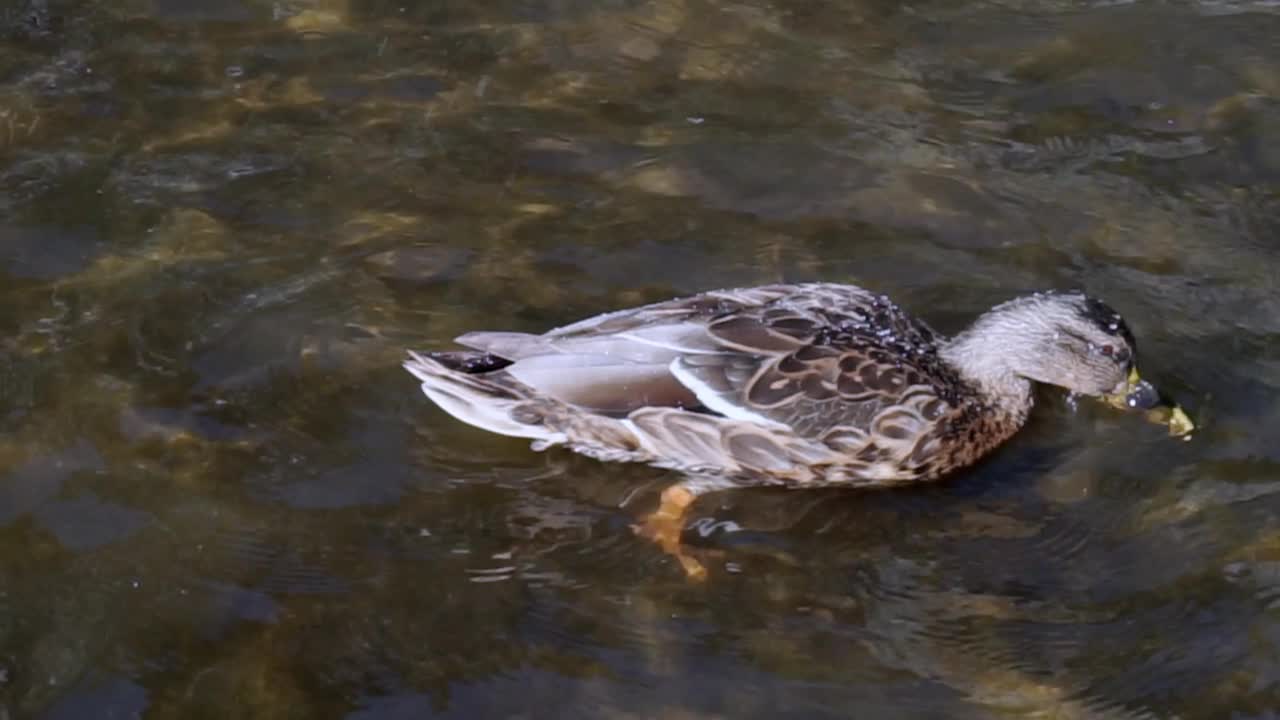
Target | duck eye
(1107,350)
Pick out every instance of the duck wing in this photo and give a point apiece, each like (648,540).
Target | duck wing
(804,357)
(852,363)
(620,361)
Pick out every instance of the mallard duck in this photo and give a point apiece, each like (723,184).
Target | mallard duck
(810,385)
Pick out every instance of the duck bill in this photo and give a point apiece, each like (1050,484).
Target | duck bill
(1138,394)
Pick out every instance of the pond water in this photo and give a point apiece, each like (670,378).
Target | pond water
(222,222)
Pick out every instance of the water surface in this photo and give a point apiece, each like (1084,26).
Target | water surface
(221,223)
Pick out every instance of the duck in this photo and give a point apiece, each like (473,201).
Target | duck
(806,385)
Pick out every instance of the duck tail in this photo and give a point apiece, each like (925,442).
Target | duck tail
(468,386)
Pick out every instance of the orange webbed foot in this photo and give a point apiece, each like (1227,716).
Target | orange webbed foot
(665,525)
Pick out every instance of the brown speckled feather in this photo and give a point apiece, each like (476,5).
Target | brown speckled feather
(802,384)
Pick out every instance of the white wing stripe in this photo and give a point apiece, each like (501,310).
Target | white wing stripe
(716,402)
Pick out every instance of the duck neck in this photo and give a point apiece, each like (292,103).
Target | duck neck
(998,356)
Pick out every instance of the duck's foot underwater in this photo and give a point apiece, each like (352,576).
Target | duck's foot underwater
(665,525)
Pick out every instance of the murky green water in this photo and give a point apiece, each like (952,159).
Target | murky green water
(221,222)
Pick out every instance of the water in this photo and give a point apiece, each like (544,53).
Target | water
(221,222)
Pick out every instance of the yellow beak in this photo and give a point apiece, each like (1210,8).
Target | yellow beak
(1139,394)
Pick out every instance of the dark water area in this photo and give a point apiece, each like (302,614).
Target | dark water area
(222,222)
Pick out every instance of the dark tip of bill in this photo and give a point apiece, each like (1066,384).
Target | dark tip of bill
(1143,397)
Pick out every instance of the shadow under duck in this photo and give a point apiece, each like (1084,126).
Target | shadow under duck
(809,385)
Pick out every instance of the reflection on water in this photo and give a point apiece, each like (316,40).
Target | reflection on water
(220,223)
